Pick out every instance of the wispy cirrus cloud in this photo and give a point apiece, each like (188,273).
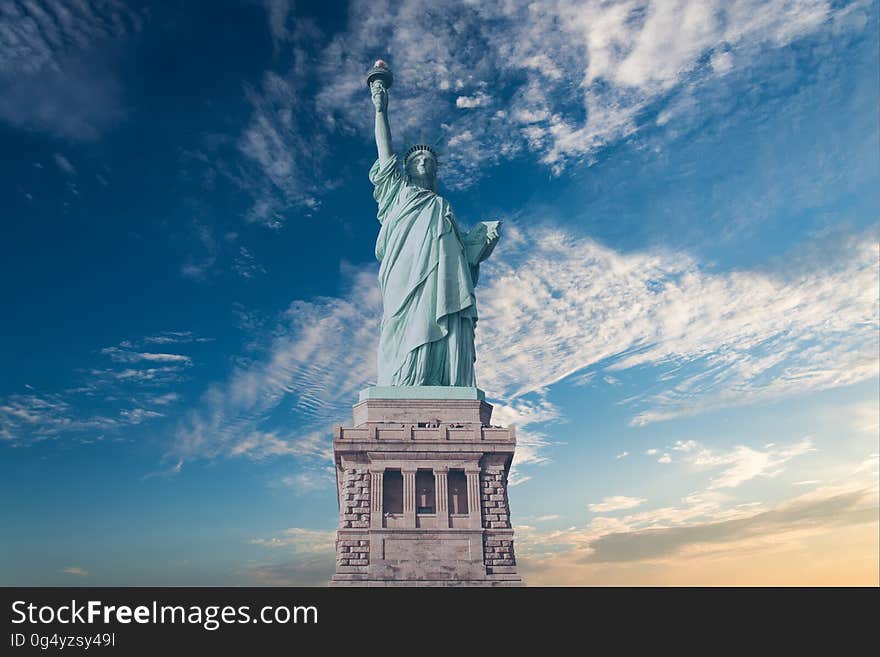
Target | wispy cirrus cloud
(555,306)
(616,503)
(557,80)
(56,73)
(64,164)
(32,418)
(743,463)
(121,355)
(134,389)
(153,376)
(282,167)
(307,481)
(171,337)
(547,518)
(321,354)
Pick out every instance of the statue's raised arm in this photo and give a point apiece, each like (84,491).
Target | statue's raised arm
(379,80)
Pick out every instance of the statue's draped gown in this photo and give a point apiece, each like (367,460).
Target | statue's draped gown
(427,282)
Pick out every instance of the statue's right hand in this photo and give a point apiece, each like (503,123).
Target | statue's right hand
(380,95)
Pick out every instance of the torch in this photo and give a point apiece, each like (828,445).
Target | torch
(380,72)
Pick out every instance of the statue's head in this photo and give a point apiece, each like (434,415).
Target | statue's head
(420,164)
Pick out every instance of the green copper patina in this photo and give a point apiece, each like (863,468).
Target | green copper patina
(429,266)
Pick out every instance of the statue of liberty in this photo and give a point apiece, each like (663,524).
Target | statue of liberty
(428,265)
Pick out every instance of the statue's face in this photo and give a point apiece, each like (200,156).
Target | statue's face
(422,168)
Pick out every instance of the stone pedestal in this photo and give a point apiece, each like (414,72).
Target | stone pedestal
(422,482)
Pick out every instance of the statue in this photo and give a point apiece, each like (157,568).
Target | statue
(429,266)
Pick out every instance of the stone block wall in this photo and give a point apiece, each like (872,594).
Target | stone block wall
(352,552)
(498,552)
(354,499)
(497,543)
(493,497)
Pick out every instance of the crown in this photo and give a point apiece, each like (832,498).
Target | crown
(415,148)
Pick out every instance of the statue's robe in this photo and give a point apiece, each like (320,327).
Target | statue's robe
(427,274)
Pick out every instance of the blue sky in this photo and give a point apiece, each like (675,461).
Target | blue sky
(681,318)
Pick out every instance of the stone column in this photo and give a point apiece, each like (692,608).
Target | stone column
(441,496)
(409,498)
(377,478)
(473,490)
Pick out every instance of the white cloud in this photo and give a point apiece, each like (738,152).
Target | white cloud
(135,392)
(865,417)
(322,355)
(76,570)
(574,77)
(246,265)
(651,452)
(139,415)
(56,70)
(870,465)
(26,419)
(583,379)
(516,478)
(665,459)
(721,62)
(554,305)
(265,444)
(167,472)
(531,444)
(557,304)
(33,418)
(301,540)
(308,553)
(304,482)
(469,102)
(616,503)
(162,399)
(284,152)
(153,375)
(706,521)
(687,445)
(743,463)
(126,356)
(201,262)
(577,74)
(280,18)
(622,455)
(172,337)
(64,164)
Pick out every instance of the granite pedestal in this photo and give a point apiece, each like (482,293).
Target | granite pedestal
(422,484)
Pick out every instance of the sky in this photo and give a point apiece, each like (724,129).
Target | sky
(681,318)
